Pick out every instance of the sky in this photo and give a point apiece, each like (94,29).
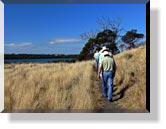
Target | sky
(56,28)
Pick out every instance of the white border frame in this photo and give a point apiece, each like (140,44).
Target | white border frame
(63,116)
(1,56)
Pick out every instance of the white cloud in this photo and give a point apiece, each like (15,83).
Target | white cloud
(64,40)
(18,44)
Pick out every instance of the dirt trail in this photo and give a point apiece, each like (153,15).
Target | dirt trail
(107,105)
(111,107)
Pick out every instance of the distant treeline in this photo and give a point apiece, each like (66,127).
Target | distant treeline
(37,56)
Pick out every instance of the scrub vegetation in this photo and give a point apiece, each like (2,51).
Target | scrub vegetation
(58,86)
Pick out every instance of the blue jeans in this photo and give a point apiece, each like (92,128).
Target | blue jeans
(97,65)
(107,84)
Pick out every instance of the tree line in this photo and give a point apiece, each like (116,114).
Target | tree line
(109,34)
(37,56)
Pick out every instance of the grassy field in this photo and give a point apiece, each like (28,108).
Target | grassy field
(53,86)
(130,80)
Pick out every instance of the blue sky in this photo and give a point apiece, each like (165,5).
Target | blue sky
(56,28)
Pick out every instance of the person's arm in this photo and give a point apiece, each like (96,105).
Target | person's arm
(99,70)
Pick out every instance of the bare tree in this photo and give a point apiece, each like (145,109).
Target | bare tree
(105,23)
(108,23)
(88,35)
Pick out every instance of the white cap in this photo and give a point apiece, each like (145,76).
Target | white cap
(103,49)
(107,53)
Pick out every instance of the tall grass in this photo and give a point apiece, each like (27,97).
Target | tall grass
(53,86)
(130,78)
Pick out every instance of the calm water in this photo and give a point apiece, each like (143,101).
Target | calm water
(42,60)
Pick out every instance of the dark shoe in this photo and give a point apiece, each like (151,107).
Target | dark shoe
(105,96)
(110,100)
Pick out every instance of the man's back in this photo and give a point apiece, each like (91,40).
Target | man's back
(107,63)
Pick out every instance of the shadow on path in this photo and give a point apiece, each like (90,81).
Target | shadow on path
(118,93)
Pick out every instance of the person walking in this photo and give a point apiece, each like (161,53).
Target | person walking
(101,53)
(107,67)
(100,56)
(96,57)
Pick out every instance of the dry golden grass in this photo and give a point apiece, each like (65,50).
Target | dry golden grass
(52,86)
(130,78)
